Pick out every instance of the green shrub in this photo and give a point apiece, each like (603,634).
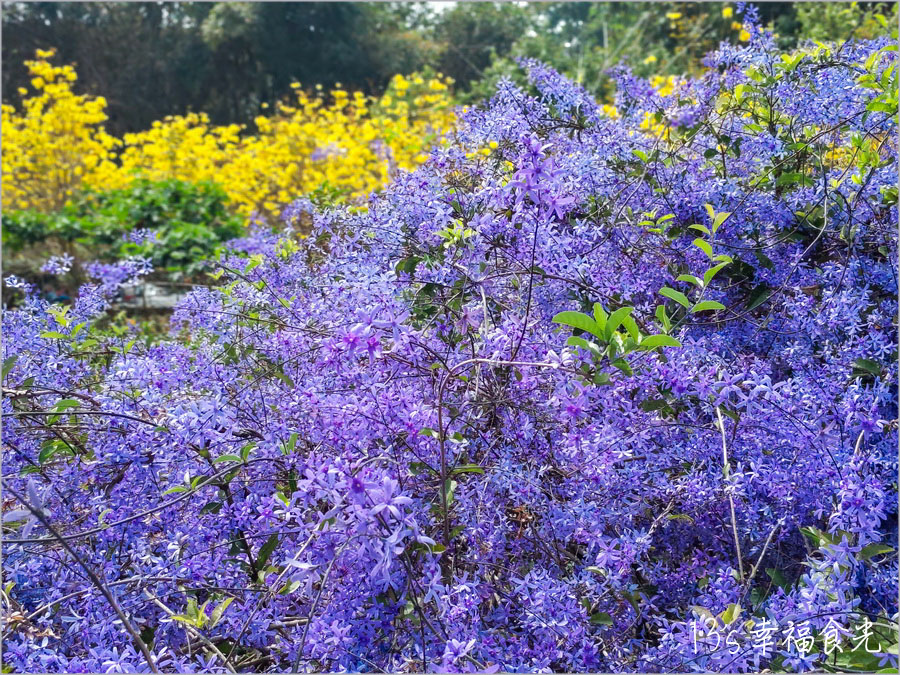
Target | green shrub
(189,222)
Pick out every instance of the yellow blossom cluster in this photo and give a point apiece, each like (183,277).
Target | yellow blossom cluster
(343,142)
(664,85)
(56,143)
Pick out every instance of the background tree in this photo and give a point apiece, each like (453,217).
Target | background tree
(151,59)
(154,59)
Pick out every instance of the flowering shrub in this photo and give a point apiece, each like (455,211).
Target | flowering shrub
(568,390)
(56,142)
(176,225)
(345,144)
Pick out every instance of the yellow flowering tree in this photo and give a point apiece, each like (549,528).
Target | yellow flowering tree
(56,143)
(346,143)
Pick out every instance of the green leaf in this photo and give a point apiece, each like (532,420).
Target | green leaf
(677,296)
(731,414)
(704,246)
(615,320)
(700,228)
(416,468)
(51,448)
(731,614)
(600,315)
(759,295)
(289,587)
(867,366)
(706,305)
(8,364)
(219,611)
(601,379)
(777,577)
(576,341)
(602,619)
(632,328)
(719,219)
(177,488)
(290,444)
(65,404)
(227,458)
(622,365)
(211,507)
(580,321)
(450,489)
(691,279)
(816,536)
(712,272)
(254,262)
(468,468)
(245,451)
(266,550)
(53,335)
(652,341)
(184,619)
(871,550)
(663,318)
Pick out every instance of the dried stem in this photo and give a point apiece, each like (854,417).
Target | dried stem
(726,470)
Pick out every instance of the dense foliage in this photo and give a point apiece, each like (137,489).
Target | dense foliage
(346,144)
(577,381)
(226,58)
(177,226)
(585,39)
(154,59)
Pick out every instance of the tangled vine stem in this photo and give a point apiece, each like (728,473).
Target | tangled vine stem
(110,598)
(726,472)
(329,359)
(453,370)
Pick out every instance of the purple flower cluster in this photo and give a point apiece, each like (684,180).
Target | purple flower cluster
(370,448)
(57,265)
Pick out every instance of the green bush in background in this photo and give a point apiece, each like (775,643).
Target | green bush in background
(183,225)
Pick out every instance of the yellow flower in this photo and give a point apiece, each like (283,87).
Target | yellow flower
(744,36)
(650,59)
(673,16)
(56,144)
(727,12)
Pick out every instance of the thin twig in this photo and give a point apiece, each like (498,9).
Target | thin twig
(136,638)
(192,630)
(763,553)
(727,471)
(440,431)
